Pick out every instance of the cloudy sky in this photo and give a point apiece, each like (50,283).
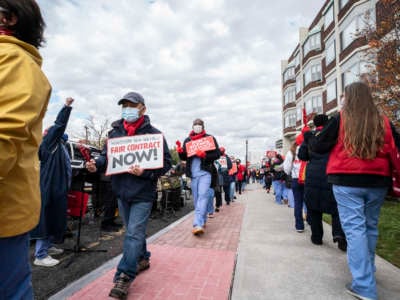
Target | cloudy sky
(218,60)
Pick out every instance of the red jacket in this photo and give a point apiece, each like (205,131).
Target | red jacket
(240,173)
(341,163)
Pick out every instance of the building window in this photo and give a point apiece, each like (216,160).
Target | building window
(330,54)
(354,72)
(328,17)
(342,3)
(297,59)
(290,95)
(348,34)
(331,91)
(288,74)
(314,105)
(298,84)
(299,113)
(354,28)
(312,73)
(313,42)
(290,119)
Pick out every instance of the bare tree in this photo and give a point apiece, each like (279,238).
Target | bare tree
(96,132)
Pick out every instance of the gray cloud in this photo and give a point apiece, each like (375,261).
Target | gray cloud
(213,59)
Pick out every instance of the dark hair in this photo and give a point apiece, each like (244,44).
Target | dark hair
(198,121)
(30,24)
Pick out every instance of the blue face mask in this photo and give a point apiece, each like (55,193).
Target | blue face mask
(130,114)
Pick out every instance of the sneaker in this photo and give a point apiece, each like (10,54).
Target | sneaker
(355,294)
(55,251)
(198,230)
(217,209)
(211,216)
(300,230)
(143,264)
(48,261)
(121,286)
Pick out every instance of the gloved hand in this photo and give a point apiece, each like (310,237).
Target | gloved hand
(179,147)
(201,153)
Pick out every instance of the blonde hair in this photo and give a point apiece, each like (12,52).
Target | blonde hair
(363,125)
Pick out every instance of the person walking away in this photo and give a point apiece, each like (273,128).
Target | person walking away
(135,190)
(55,182)
(24,95)
(318,193)
(359,140)
(291,166)
(199,167)
(225,164)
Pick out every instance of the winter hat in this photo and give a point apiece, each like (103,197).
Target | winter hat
(320,120)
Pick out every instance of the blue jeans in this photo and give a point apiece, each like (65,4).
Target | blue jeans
(42,247)
(290,197)
(298,193)
(278,189)
(15,270)
(232,190)
(135,216)
(200,191)
(359,209)
(210,205)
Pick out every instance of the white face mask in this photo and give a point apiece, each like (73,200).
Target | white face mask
(197,128)
(130,114)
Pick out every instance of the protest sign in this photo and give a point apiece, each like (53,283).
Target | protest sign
(223,162)
(271,154)
(203,144)
(146,151)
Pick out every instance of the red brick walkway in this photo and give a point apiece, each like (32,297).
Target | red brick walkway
(184,266)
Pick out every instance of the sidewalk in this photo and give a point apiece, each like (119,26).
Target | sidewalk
(273,260)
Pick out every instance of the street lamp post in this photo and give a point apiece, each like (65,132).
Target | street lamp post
(86,135)
(247,144)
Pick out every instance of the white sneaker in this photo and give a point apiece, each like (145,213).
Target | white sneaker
(55,251)
(48,261)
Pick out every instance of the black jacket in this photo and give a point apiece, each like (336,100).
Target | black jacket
(206,163)
(129,187)
(317,191)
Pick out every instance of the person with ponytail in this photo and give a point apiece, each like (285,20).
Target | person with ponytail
(24,94)
(199,168)
(359,139)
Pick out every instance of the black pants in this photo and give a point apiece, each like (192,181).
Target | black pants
(218,197)
(239,187)
(227,191)
(316,225)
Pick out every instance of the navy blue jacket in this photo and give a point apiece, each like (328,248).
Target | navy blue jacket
(129,187)
(55,179)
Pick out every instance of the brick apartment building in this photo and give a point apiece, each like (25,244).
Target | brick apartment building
(330,55)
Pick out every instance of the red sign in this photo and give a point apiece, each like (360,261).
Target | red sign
(204,144)
(271,154)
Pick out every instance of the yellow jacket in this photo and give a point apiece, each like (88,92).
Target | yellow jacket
(24,95)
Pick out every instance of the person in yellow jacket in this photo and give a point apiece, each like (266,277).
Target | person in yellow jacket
(24,95)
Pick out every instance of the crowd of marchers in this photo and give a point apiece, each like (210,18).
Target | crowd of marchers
(342,167)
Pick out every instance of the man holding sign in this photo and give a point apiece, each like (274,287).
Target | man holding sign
(199,150)
(135,156)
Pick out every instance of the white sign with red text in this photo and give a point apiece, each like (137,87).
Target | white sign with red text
(146,151)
